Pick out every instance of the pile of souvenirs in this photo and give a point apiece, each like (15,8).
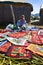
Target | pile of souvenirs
(21,44)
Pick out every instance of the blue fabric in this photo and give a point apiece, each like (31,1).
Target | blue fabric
(21,22)
(3,42)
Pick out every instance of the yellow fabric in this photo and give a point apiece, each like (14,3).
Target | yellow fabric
(32,47)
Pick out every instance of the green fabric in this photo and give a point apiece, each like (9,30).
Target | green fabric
(14,26)
(1,39)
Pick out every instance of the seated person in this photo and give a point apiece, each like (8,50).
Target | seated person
(22,22)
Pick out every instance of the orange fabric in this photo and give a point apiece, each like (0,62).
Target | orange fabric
(36,49)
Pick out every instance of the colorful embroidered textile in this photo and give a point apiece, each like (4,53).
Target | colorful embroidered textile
(19,52)
(36,49)
(36,38)
(3,42)
(20,41)
(2,39)
(5,47)
(3,31)
(17,34)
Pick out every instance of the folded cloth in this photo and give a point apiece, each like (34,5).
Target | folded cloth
(36,49)
(36,38)
(17,34)
(19,52)
(4,31)
(5,47)
(32,28)
(3,42)
(15,41)
(2,39)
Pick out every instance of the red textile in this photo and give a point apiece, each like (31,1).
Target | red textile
(36,38)
(19,52)
(17,34)
(27,43)
(5,47)
(3,31)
